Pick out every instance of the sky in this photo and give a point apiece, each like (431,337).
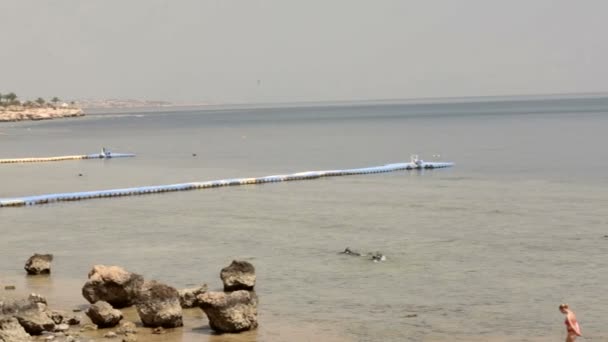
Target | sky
(264,51)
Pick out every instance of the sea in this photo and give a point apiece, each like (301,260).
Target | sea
(484,251)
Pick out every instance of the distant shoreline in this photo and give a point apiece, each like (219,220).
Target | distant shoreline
(337,104)
(19,113)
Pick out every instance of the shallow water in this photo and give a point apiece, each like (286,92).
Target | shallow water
(486,250)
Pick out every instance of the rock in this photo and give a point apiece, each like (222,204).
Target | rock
(88,327)
(12,331)
(230,312)
(36,298)
(39,264)
(110,334)
(9,287)
(14,306)
(56,316)
(60,317)
(158,331)
(104,315)
(71,320)
(62,327)
(35,321)
(112,284)
(126,328)
(158,306)
(18,113)
(41,307)
(187,297)
(129,338)
(240,275)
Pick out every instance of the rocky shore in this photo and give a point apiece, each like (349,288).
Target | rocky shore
(19,113)
(156,308)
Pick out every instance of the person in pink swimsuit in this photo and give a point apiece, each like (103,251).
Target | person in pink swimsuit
(571,324)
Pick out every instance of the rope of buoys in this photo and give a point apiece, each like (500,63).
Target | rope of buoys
(61,158)
(75,196)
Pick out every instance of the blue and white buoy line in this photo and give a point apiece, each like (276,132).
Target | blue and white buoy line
(103,155)
(76,196)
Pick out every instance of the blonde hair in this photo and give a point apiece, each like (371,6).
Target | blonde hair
(563,306)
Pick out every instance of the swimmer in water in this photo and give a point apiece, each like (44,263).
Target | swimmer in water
(349,252)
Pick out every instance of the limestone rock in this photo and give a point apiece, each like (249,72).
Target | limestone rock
(60,317)
(187,297)
(104,315)
(158,331)
(62,327)
(88,327)
(240,275)
(230,312)
(112,284)
(39,264)
(110,334)
(35,322)
(71,320)
(12,331)
(158,305)
(129,338)
(14,306)
(126,328)
(37,298)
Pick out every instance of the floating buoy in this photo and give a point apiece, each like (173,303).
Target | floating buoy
(41,199)
(106,155)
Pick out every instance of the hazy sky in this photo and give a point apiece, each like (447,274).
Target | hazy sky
(306,50)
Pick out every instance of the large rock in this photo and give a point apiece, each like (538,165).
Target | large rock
(15,306)
(39,264)
(12,331)
(240,275)
(230,311)
(112,284)
(30,313)
(35,321)
(104,315)
(187,297)
(158,306)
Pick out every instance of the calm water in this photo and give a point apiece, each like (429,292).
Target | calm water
(486,250)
